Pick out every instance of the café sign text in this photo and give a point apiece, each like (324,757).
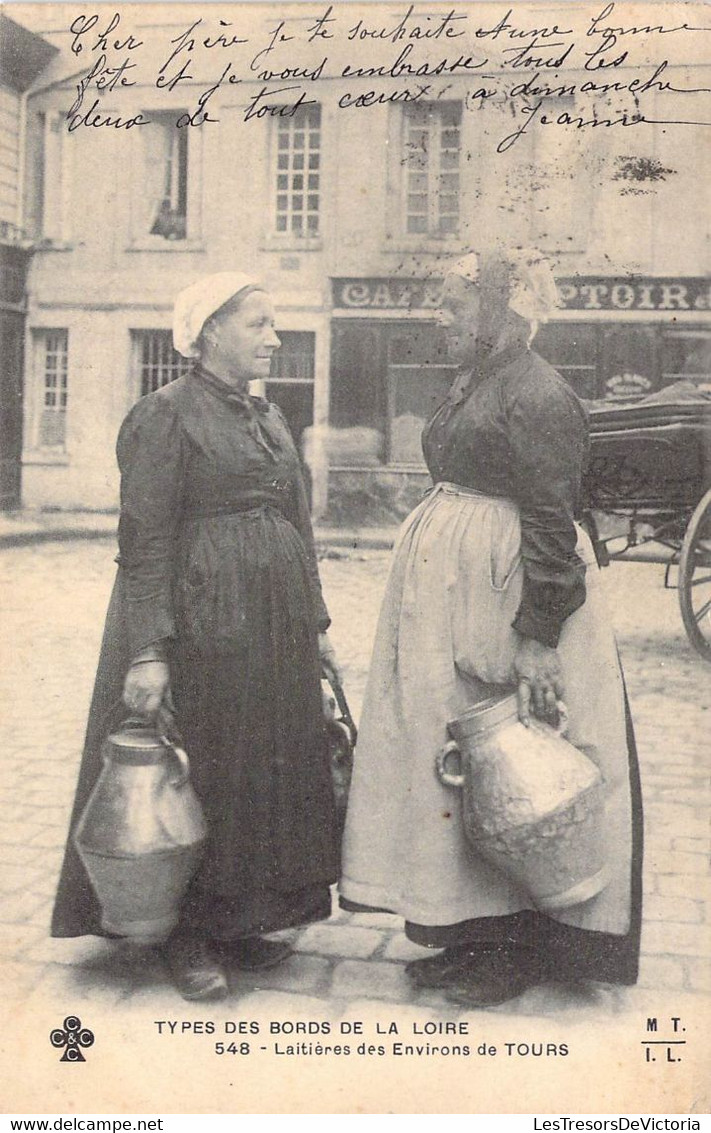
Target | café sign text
(575,293)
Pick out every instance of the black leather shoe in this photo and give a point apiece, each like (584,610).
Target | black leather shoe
(254,953)
(196,971)
(446,967)
(497,977)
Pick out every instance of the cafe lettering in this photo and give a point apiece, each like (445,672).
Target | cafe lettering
(617,337)
(587,293)
(576,293)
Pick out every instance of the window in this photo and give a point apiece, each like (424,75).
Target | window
(686,356)
(626,361)
(51,366)
(291,382)
(47,200)
(164,182)
(431,154)
(298,173)
(630,360)
(387,379)
(155,361)
(419,375)
(572,348)
(294,360)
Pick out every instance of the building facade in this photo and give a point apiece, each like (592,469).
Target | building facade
(349,215)
(23,56)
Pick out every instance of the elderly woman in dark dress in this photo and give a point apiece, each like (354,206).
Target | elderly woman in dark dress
(217,616)
(493,587)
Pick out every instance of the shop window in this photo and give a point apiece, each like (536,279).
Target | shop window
(357,375)
(630,362)
(297,174)
(155,361)
(430,159)
(51,356)
(358,403)
(686,356)
(572,348)
(419,375)
(386,382)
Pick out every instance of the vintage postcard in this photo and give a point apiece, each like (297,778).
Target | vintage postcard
(487,221)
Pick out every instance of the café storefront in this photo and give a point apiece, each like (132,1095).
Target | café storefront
(613,338)
(623,339)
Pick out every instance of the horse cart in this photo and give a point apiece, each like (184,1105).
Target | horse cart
(647,495)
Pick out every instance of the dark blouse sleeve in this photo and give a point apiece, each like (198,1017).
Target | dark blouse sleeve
(548,439)
(151,457)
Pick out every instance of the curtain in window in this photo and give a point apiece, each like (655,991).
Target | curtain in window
(162,216)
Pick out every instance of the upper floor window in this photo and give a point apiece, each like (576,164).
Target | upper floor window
(51,357)
(167,183)
(47,189)
(155,361)
(431,158)
(166,177)
(9,159)
(298,173)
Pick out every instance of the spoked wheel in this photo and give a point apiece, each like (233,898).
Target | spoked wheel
(695,578)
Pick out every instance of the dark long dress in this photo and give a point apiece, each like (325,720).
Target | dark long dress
(493,550)
(217,561)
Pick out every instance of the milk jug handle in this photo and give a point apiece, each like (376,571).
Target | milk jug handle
(339,693)
(180,775)
(171,739)
(448,778)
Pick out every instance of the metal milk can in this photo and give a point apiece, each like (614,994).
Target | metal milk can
(532,804)
(141,834)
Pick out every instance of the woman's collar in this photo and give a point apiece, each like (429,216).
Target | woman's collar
(488,362)
(226,390)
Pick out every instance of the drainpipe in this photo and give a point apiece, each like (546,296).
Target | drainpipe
(21,157)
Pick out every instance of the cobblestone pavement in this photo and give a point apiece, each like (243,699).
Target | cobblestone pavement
(54,597)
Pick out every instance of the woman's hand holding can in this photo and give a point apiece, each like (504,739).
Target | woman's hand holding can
(147,688)
(540,681)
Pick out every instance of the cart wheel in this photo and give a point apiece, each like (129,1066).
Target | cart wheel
(695,578)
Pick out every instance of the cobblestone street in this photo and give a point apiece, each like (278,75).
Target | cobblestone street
(54,597)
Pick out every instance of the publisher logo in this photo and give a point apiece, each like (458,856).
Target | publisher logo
(72,1037)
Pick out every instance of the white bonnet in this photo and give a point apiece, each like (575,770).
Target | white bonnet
(534,294)
(532,289)
(196,303)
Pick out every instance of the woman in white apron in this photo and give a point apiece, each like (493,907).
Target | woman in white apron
(493,587)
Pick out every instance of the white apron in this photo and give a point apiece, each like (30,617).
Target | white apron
(443,637)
